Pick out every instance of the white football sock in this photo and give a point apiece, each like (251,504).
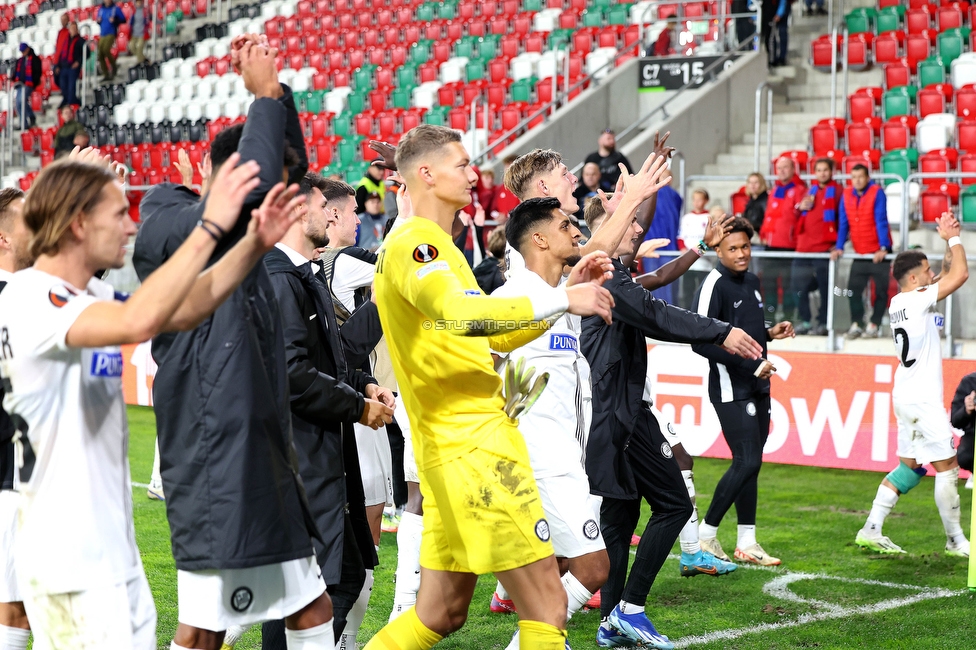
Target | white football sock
(630,608)
(173,646)
(688,537)
(947,500)
(355,616)
(883,503)
(576,594)
(320,637)
(13,638)
(408,563)
(515,642)
(707,532)
(234,634)
(500,590)
(747,536)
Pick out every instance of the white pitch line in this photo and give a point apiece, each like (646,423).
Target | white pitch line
(779,588)
(140,485)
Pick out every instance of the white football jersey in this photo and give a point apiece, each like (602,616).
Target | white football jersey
(915,327)
(76,530)
(557,426)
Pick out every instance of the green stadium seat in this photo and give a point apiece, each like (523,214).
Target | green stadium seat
(314,101)
(522,90)
(437,115)
(474,70)
(347,151)
(401,97)
(593,17)
(896,102)
(425,13)
(896,162)
(532,5)
(888,20)
(356,102)
(464,48)
(342,124)
(967,203)
(950,46)
(931,71)
(406,75)
(619,14)
(857,22)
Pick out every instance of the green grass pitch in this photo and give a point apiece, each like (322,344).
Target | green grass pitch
(807,516)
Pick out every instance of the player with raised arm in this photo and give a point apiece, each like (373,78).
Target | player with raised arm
(61,330)
(924,431)
(482,511)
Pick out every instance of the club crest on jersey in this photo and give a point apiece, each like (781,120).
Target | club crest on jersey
(751,409)
(591,530)
(106,364)
(542,530)
(241,599)
(563,343)
(60,295)
(424,253)
(666,450)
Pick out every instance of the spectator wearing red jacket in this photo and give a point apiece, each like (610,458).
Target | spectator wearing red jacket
(504,199)
(816,232)
(778,233)
(864,217)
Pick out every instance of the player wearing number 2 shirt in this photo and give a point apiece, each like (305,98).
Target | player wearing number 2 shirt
(924,431)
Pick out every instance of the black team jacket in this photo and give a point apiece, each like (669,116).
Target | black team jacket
(732,297)
(960,419)
(234,498)
(326,398)
(617,355)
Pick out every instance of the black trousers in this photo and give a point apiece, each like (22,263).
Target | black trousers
(745,425)
(343,594)
(861,272)
(964,454)
(659,482)
(395,434)
(806,275)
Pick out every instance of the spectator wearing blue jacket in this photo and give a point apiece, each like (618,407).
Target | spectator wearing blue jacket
(777,51)
(667,216)
(109,18)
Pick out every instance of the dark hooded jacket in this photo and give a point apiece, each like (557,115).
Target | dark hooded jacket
(617,355)
(234,498)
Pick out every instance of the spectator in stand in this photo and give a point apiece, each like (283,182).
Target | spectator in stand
(27,77)
(781,20)
(690,232)
(71,134)
(490,272)
(61,47)
(588,187)
(139,24)
(816,232)
(68,69)
(864,217)
(779,234)
(664,225)
(608,159)
(109,18)
(755,210)
(745,27)
(487,190)
(666,40)
(372,222)
(370,183)
(819,11)
(505,200)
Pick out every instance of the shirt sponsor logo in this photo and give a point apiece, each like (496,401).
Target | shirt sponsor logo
(241,599)
(591,530)
(939,321)
(430,268)
(425,253)
(472,292)
(736,304)
(106,364)
(542,530)
(563,343)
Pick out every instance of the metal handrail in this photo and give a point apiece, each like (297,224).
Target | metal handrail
(544,110)
(769,122)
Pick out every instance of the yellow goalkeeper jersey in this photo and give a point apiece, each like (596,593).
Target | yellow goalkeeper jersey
(441,329)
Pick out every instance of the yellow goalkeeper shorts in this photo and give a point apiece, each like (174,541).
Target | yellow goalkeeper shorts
(482,511)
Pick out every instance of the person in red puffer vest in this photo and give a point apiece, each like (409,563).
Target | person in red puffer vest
(778,233)
(816,232)
(864,217)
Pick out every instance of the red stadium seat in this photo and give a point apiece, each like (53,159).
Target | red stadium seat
(966,103)
(967,164)
(822,138)
(948,18)
(800,158)
(916,49)
(933,202)
(933,163)
(739,201)
(859,137)
(821,53)
(849,162)
(894,135)
(860,107)
(966,135)
(917,20)
(930,101)
(897,74)
(886,48)
(858,52)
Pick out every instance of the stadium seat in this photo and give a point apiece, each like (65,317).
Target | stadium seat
(935,132)
(897,74)
(966,103)
(887,49)
(897,102)
(898,162)
(967,204)
(822,139)
(966,136)
(917,48)
(931,71)
(930,101)
(859,137)
(963,71)
(934,163)
(861,106)
(933,203)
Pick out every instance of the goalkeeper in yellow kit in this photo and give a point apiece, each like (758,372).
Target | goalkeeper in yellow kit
(482,512)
